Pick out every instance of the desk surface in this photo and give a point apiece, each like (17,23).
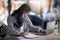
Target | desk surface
(53,36)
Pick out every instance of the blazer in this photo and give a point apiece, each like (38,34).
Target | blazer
(25,26)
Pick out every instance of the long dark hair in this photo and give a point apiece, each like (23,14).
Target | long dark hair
(19,12)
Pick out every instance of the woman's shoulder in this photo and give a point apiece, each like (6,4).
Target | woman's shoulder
(10,17)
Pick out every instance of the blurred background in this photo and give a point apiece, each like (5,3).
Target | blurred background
(36,5)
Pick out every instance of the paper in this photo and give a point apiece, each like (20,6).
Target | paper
(29,35)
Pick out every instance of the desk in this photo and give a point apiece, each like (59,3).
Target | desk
(52,36)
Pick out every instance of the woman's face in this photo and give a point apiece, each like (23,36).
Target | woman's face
(25,14)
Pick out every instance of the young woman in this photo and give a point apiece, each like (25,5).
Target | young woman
(19,22)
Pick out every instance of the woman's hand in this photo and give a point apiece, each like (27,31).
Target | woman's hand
(41,30)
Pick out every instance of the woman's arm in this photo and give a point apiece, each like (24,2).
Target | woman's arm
(30,23)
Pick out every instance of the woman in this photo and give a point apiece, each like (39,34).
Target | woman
(19,20)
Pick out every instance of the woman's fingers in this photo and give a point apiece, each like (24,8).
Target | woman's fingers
(42,30)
